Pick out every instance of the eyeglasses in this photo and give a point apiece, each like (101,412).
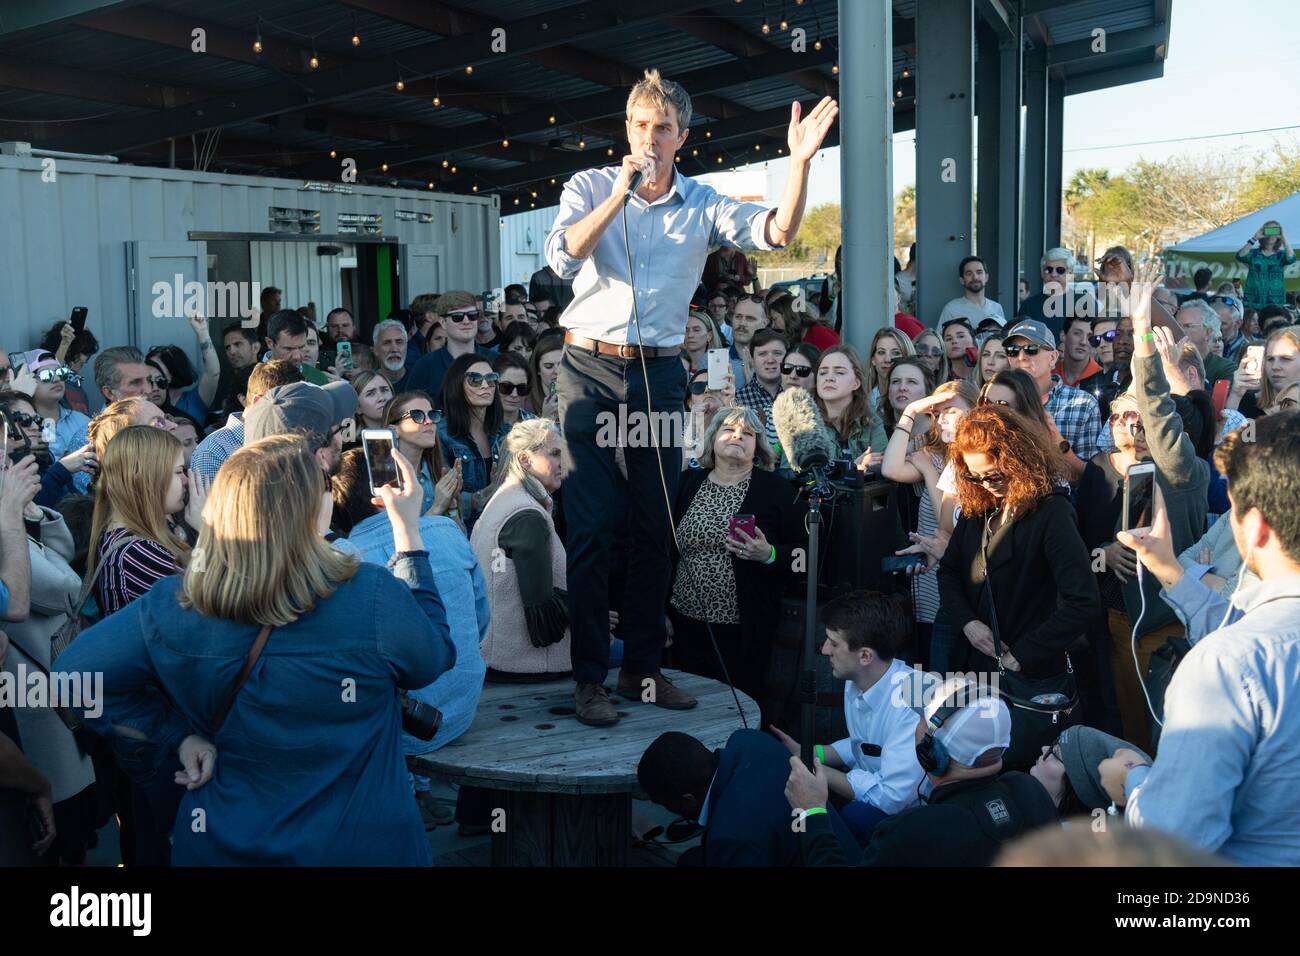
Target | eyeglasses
(994,478)
(802,371)
(699,386)
(421,417)
(1014,350)
(61,374)
(157,381)
(1055,270)
(512,388)
(479,379)
(1108,336)
(1132,420)
(459,317)
(932,352)
(25,420)
(1225,299)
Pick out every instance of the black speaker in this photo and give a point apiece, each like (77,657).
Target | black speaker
(859,528)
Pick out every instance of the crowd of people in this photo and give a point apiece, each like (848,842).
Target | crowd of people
(195,510)
(275,630)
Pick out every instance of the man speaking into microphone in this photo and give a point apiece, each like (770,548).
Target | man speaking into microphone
(625,329)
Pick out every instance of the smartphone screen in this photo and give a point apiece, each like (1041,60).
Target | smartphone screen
(78,319)
(378,446)
(1139,499)
(719,365)
(896,563)
(1272,231)
(344,357)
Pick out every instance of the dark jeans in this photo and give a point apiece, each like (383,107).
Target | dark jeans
(591,388)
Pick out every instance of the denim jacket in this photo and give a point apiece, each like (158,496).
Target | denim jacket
(476,471)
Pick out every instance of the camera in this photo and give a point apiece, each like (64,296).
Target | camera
(419,719)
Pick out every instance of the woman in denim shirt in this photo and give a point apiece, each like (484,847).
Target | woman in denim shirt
(311,769)
(473,424)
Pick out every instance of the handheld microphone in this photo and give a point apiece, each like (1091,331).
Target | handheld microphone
(805,438)
(647,167)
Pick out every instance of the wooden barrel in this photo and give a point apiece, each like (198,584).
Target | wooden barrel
(780,701)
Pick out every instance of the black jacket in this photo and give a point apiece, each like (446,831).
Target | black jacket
(1042,585)
(771,500)
(964,824)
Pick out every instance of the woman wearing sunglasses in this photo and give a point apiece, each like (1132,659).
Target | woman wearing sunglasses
(411,415)
(57,474)
(797,368)
(512,386)
(1015,562)
(52,377)
(929,349)
(473,425)
(702,403)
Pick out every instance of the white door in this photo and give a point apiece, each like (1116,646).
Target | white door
(421,270)
(164,281)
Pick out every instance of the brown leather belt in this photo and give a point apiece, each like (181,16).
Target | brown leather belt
(622,351)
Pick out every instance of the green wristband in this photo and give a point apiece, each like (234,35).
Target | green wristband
(808,813)
(771,558)
(821,754)
(1147,337)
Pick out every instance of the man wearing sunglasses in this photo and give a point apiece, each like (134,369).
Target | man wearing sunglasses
(1031,347)
(460,315)
(1057,300)
(69,426)
(635,258)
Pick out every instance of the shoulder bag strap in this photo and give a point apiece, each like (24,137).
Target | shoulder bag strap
(250,660)
(988,590)
(89,586)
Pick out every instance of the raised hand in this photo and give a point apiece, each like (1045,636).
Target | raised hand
(805,135)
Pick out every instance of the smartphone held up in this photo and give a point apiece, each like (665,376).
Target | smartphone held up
(377,444)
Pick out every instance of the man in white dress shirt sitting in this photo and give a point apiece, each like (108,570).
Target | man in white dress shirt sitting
(874,769)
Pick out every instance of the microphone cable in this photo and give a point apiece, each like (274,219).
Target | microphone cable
(654,438)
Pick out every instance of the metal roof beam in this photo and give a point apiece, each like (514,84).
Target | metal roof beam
(584,111)
(706,25)
(19,18)
(58,80)
(527,34)
(1106,79)
(1122,42)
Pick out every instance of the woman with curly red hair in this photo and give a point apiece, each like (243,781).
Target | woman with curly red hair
(1016,563)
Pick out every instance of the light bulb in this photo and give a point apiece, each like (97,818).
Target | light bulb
(505,144)
(356,40)
(400,85)
(551,119)
(765,28)
(314,62)
(437,101)
(445,164)
(384,168)
(469,70)
(257,45)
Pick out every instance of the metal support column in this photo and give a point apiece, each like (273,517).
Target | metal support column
(988,162)
(945,111)
(1035,226)
(866,60)
(1055,145)
(1008,210)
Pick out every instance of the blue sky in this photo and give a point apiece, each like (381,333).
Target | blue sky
(1211,86)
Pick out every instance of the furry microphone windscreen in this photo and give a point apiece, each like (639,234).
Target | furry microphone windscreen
(804,437)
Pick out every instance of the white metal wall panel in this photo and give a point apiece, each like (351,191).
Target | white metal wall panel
(523,243)
(302,275)
(65,241)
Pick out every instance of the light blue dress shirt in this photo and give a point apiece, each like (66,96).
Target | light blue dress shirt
(69,435)
(670,238)
(1229,764)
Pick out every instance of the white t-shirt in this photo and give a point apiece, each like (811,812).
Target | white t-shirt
(963,308)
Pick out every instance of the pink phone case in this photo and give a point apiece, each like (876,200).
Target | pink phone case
(745,522)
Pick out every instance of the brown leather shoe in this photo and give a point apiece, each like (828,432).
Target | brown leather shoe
(665,694)
(592,706)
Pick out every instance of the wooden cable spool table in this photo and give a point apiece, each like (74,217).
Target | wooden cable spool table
(563,790)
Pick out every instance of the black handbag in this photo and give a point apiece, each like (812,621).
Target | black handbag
(1041,707)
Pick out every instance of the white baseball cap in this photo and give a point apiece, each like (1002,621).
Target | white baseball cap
(982,724)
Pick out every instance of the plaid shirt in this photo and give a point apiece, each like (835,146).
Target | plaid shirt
(1077,416)
(755,396)
(213,451)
